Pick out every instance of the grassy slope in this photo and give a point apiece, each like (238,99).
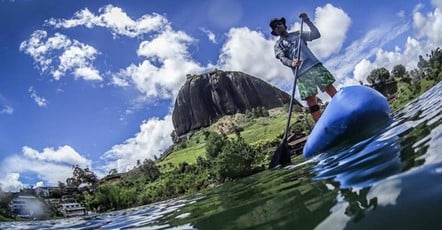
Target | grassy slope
(264,129)
(407,92)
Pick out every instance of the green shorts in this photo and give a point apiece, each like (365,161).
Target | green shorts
(308,82)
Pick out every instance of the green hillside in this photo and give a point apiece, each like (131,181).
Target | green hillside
(258,132)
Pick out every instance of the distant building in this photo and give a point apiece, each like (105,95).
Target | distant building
(44,191)
(27,207)
(72,209)
(112,177)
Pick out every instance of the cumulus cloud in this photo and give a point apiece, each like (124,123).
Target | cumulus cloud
(429,25)
(362,69)
(166,51)
(115,19)
(39,184)
(249,51)
(152,140)
(41,102)
(50,166)
(64,154)
(332,36)
(11,182)
(59,55)
(167,63)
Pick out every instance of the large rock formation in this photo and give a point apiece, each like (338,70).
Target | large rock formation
(205,98)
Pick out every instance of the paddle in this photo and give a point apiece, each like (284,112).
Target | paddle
(282,154)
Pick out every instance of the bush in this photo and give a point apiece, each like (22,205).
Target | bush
(231,158)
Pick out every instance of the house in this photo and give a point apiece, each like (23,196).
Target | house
(112,178)
(27,207)
(72,209)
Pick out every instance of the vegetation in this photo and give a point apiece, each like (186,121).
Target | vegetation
(401,86)
(5,198)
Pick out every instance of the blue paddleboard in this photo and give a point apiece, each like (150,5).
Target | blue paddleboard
(353,114)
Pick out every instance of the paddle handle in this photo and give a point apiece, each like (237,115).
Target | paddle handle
(298,55)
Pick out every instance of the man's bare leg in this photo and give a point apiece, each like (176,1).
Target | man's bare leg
(330,90)
(312,103)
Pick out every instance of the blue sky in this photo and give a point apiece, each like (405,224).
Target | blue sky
(93,83)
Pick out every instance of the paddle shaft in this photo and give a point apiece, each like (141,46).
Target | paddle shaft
(298,55)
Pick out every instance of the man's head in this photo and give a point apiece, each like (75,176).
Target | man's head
(275,23)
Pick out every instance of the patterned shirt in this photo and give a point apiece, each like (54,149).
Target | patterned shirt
(286,49)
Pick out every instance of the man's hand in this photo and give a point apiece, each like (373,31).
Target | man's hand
(303,16)
(296,62)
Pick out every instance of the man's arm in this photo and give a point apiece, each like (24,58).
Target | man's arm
(284,60)
(314,32)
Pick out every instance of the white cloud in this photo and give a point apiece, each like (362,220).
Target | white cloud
(210,35)
(39,184)
(59,55)
(167,45)
(249,51)
(115,19)
(64,154)
(333,24)
(362,69)
(50,166)
(7,110)
(11,182)
(166,51)
(429,25)
(152,140)
(163,72)
(41,102)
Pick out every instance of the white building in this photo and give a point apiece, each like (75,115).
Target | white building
(72,209)
(27,207)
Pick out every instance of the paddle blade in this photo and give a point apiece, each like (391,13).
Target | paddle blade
(281,155)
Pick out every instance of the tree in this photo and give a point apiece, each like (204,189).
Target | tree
(214,145)
(432,67)
(381,80)
(399,71)
(236,160)
(81,176)
(377,76)
(150,170)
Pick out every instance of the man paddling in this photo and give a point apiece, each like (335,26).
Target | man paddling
(311,72)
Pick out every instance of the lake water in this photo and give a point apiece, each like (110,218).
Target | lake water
(392,180)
